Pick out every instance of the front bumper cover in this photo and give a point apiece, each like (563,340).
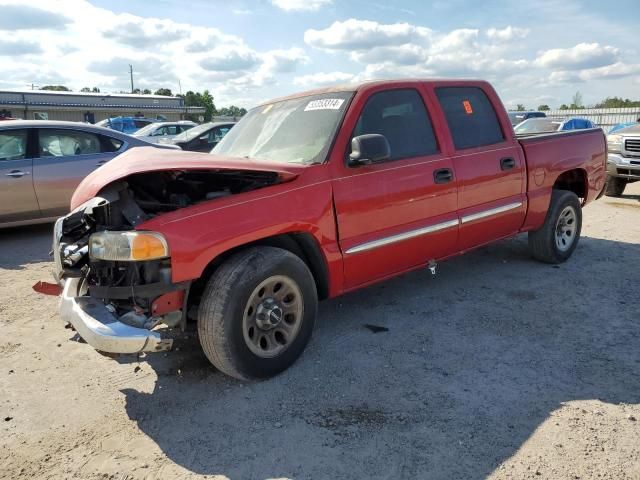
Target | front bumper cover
(101,329)
(623,167)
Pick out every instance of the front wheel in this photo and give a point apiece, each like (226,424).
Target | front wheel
(556,240)
(257,313)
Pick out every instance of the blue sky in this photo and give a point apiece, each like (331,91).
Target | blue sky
(248,51)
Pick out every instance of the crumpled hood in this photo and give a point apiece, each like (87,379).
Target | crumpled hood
(151,159)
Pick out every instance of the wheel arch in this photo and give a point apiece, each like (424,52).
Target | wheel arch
(302,244)
(574,180)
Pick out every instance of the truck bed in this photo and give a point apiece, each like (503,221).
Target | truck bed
(583,153)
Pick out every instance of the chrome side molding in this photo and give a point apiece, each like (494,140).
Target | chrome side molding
(402,236)
(487,213)
(431,228)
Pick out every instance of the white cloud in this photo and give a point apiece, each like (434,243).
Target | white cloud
(356,34)
(140,33)
(284,61)
(19,47)
(581,56)
(323,79)
(27,17)
(402,49)
(230,60)
(615,70)
(92,46)
(300,5)
(507,34)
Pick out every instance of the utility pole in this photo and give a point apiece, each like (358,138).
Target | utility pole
(131,74)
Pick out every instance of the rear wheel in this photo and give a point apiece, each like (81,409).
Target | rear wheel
(257,313)
(615,186)
(558,237)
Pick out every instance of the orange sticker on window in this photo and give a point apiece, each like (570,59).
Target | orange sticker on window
(467,107)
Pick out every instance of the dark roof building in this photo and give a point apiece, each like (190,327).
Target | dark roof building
(90,107)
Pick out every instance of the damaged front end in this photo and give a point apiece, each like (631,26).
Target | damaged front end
(118,292)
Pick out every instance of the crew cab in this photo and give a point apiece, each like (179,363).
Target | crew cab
(306,198)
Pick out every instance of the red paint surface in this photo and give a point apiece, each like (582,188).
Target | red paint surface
(341,207)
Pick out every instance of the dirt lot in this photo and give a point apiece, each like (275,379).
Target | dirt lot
(499,366)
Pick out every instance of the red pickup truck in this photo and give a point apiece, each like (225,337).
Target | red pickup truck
(306,198)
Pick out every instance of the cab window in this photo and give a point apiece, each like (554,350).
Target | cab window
(64,143)
(399,115)
(13,145)
(471,118)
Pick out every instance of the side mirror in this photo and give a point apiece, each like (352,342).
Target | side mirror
(368,149)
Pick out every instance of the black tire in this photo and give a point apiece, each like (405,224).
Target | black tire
(544,243)
(615,186)
(221,314)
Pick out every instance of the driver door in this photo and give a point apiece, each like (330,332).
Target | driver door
(400,213)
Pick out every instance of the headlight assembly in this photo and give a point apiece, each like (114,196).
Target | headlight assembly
(614,143)
(128,246)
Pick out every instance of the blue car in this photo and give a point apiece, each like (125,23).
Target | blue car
(125,124)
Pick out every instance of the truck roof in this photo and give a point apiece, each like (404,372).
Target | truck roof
(354,87)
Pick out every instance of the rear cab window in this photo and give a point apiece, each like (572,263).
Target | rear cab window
(472,120)
(401,116)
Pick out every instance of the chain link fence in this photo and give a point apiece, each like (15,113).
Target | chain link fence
(605,118)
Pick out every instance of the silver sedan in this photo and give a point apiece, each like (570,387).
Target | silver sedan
(42,163)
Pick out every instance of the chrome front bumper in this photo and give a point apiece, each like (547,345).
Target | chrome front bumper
(101,329)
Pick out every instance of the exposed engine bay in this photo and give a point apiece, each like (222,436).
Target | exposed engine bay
(140,293)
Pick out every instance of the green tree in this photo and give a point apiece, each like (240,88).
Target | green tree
(577,101)
(136,91)
(564,106)
(56,88)
(95,90)
(146,91)
(232,111)
(164,91)
(85,89)
(543,108)
(520,107)
(617,102)
(91,90)
(209,106)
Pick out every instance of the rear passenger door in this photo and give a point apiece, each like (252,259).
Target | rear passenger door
(17,197)
(489,166)
(65,157)
(400,213)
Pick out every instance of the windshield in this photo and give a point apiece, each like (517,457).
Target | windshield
(537,125)
(299,130)
(192,132)
(516,118)
(144,131)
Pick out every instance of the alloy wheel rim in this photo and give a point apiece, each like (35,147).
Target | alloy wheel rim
(566,227)
(272,316)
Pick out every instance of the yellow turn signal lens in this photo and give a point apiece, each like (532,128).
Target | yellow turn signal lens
(146,246)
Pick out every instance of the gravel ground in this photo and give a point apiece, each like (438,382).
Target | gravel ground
(498,367)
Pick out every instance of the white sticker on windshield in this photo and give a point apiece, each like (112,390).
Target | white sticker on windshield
(324,104)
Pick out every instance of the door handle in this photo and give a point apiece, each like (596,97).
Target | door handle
(507,163)
(101,162)
(442,175)
(17,174)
